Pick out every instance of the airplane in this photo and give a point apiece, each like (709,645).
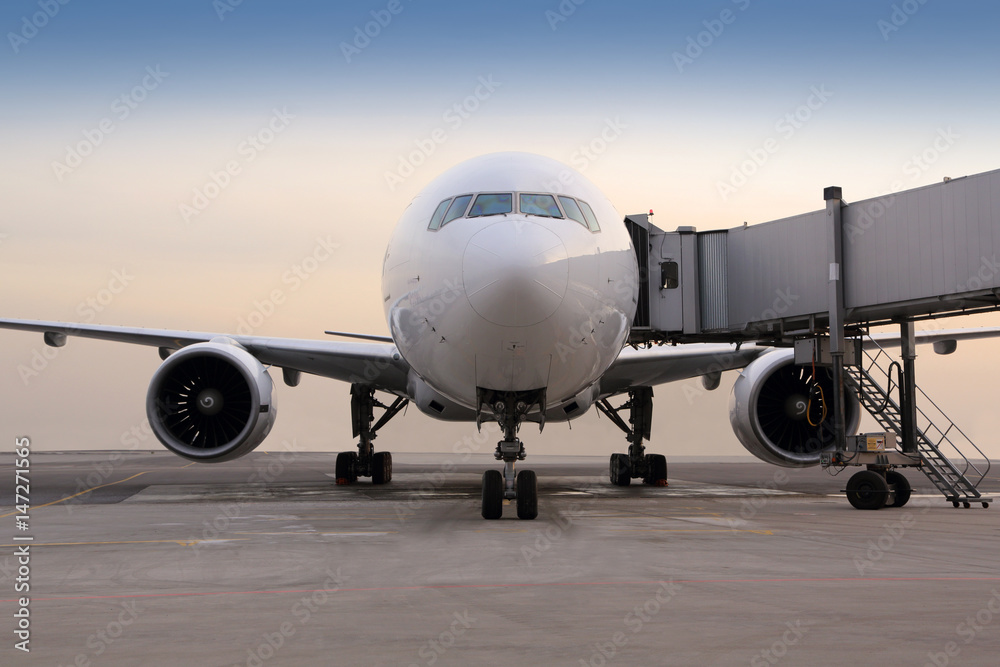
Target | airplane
(509,288)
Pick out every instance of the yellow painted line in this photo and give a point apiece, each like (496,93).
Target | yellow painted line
(93,488)
(183,543)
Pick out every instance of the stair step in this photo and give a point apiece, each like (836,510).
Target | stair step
(945,476)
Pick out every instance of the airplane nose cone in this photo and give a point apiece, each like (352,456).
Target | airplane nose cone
(515,273)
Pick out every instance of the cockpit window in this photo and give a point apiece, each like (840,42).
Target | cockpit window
(591,218)
(544,205)
(457,209)
(491,204)
(573,211)
(439,214)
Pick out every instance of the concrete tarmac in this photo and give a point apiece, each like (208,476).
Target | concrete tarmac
(145,559)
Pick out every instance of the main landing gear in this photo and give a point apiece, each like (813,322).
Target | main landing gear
(509,409)
(366,462)
(636,464)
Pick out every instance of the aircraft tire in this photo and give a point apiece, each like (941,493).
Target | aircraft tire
(492,494)
(527,494)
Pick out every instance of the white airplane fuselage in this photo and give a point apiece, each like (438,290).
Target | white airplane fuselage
(514,301)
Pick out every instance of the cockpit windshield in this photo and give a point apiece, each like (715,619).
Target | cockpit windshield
(491,204)
(457,209)
(544,205)
(501,203)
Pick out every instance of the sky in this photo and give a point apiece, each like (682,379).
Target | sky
(173,165)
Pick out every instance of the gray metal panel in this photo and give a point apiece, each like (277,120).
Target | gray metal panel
(778,269)
(689,281)
(931,242)
(712,281)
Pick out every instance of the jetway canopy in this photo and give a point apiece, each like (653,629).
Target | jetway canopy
(930,251)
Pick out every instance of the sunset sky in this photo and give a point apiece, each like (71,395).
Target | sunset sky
(172,165)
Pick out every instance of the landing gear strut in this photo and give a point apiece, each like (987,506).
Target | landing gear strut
(651,468)
(366,462)
(510,409)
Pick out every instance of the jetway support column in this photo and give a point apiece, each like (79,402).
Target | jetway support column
(908,387)
(835,241)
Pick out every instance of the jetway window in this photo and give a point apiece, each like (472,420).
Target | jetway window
(543,205)
(573,211)
(439,214)
(492,204)
(457,209)
(591,218)
(669,275)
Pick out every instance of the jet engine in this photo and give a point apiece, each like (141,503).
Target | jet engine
(783,414)
(211,402)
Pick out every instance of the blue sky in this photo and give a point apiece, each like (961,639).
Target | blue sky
(684,135)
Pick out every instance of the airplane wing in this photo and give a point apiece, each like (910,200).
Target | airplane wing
(376,363)
(658,365)
(648,367)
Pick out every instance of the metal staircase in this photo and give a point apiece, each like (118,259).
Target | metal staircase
(957,477)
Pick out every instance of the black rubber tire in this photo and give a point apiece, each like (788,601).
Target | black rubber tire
(867,490)
(527,494)
(967,505)
(902,485)
(656,469)
(381,468)
(621,470)
(346,469)
(492,494)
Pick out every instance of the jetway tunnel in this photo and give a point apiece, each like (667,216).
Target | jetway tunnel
(927,252)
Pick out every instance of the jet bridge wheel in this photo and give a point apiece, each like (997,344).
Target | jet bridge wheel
(902,487)
(867,490)
(493,488)
(346,468)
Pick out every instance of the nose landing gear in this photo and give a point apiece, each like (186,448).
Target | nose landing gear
(510,409)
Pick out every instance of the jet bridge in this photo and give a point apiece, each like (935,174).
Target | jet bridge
(819,281)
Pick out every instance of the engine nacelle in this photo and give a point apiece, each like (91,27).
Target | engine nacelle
(211,402)
(770,411)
